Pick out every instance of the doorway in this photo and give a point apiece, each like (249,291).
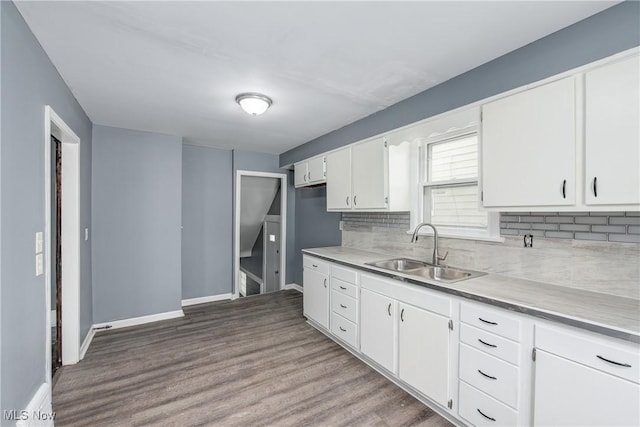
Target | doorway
(259,233)
(61,239)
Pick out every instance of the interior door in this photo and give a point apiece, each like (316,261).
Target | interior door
(271,256)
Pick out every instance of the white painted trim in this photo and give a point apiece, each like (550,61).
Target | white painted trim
(203,300)
(87,342)
(133,321)
(295,287)
(236,218)
(38,411)
(54,319)
(54,125)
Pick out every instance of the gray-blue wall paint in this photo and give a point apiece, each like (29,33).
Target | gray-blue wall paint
(207,218)
(606,33)
(137,209)
(315,227)
(262,162)
(29,82)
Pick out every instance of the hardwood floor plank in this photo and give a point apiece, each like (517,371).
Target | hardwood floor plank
(247,362)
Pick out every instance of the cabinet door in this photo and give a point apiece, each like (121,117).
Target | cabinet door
(612,135)
(528,147)
(377,328)
(300,174)
(315,170)
(423,352)
(339,180)
(315,298)
(570,394)
(368,173)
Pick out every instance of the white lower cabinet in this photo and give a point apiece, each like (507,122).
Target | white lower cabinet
(315,299)
(480,409)
(423,352)
(378,328)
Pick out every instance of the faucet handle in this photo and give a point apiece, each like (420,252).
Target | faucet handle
(442,258)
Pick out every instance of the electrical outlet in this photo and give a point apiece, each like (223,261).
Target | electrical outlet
(528,240)
(39,265)
(39,242)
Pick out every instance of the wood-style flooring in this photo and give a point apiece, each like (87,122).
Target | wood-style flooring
(248,362)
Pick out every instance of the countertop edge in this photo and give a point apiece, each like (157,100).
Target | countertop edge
(511,306)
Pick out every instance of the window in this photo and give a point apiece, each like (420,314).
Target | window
(449,186)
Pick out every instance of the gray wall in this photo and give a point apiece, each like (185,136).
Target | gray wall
(315,227)
(29,82)
(137,203)
(207,216)
(262,162)
(601,35)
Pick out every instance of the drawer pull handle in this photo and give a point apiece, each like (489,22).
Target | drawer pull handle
(402,315)
(626,365)
(487,417)
(343,288)
(487,344)
(389,309)
(343,329)
(488,376)
(343,306)
(486,321)
(314,266)
(325,282)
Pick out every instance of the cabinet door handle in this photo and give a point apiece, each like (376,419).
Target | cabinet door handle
(488,376)
(305,177)
(389,309)
(402,315)
(314,266)
(309,174)
(595,186)
(354,201)
(564,189)
(343,306)
(343,288)
(486,321)
(626,365)
(342,329)
(347,200)
(486,416)
(325,282)
(487,344)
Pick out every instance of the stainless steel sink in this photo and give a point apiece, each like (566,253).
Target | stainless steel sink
(399,264)
(425,270)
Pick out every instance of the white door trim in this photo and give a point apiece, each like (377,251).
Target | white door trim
(236,231)
(54,125)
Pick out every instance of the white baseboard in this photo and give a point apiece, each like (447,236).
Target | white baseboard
(87,342)
(38,411)
(54,319)
(203,300)
(295,287)
(133,321)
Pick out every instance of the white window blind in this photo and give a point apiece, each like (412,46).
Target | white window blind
(453,159)
(455,206)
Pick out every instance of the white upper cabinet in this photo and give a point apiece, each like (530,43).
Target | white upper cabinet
(529,147)
(612,138)
(339,180)
(369,176)
(310,172)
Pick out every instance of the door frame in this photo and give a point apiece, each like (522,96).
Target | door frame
(236,228)
(70,238)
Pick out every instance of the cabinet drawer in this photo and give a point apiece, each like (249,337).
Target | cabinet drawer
(491,344)
(344,306)
(344,287)
(615,357)
(345,274)
(345,330)
(315,264)
(491,320)
(490,375)
(481,410)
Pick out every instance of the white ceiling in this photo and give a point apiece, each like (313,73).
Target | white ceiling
(176,67)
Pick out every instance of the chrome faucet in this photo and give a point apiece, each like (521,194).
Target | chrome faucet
(436,257)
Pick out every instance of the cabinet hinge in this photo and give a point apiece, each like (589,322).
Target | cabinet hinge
(450,324)
(482,196)
(450,404)
(481,114)
(533,354)
(385,143)
(386,200)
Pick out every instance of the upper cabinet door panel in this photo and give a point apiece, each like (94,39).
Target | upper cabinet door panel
(368,172)
(339,180)
(300,174)
(315,170)
(612,149)
(528,147)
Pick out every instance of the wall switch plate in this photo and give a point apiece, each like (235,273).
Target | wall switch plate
(272,237)
(39,265)
(86,234)
(39,242)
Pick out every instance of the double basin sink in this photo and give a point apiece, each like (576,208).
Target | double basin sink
(439,273)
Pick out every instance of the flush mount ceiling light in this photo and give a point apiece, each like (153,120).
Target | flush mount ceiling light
(254,103)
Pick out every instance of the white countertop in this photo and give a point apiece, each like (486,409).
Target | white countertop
(607,314)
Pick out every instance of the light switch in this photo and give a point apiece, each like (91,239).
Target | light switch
(86,234)
(272,237)
(39,242)
(39,265)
